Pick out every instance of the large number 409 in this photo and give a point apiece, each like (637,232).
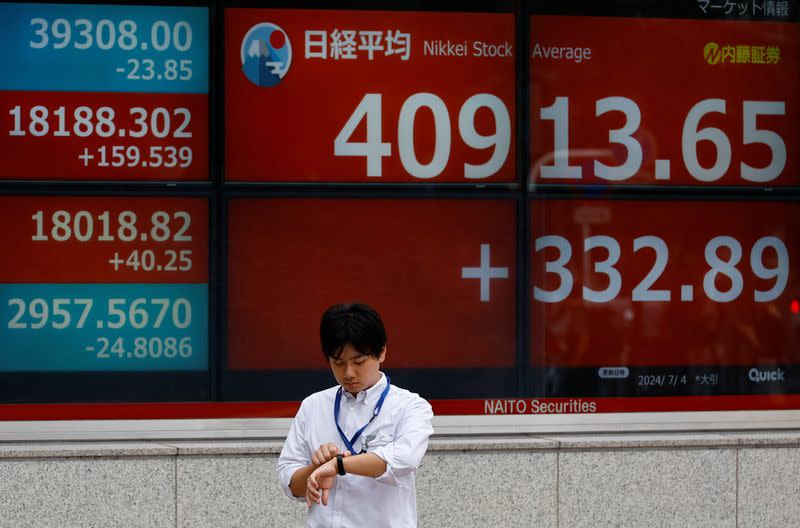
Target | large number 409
(374,149)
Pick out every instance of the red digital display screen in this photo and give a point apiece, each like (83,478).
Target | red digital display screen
(660,102)
(108,284)
(640,268)
(105,239)
(639,283)
(104,92)
(369,96)
(440,272)
(105,136)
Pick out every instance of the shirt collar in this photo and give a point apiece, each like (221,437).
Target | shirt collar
(370,395)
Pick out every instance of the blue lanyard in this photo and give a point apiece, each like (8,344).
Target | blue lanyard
(337,403)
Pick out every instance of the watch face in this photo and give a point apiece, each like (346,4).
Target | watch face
(340,464)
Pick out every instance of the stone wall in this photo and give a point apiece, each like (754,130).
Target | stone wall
(698,480)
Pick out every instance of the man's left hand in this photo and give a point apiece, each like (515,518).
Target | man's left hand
(320,483)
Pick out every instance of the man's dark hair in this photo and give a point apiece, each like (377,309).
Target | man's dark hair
(354,324)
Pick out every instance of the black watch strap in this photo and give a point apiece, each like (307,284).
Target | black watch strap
(340,464)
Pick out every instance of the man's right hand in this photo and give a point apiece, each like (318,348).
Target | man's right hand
(324,453)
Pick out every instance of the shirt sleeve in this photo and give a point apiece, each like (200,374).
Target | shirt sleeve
(404,454)
(294,454)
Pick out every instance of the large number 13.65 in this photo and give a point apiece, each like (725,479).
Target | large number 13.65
(374,149)
(691,135)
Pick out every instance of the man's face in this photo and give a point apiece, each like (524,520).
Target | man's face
(356,372)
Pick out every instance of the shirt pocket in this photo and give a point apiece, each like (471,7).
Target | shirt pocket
(376,439)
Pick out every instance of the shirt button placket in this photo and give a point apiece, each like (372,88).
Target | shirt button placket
(351,416)
(341,484)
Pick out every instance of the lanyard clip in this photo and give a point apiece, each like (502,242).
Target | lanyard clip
(365,443)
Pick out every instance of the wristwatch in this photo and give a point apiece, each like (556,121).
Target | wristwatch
(340,464)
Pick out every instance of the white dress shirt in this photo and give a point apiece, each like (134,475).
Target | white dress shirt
(399,435)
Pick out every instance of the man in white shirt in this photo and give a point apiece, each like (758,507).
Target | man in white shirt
(353,449)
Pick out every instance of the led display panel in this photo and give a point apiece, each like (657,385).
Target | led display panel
(671,288)
(440,272)
(663,103)
(104,92)
(369,96)
(102,285)
(665,298)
